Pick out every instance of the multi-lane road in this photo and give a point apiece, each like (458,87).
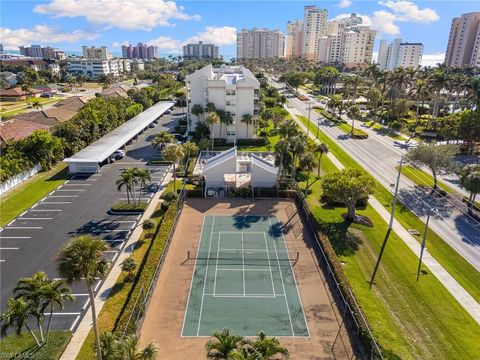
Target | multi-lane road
(379,155)
(31,242)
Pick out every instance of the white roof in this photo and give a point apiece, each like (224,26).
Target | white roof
(264,164)
(220,158)
(106,145)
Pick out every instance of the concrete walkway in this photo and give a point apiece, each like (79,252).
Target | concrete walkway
(85,325)
(453,287)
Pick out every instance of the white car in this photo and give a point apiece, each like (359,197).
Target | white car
(117,154)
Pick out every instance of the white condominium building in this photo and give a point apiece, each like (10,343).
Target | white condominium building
(357,46)
(399,54)
(260,43)
(464,41)
(294,39)
(93,69)
(339,26)
(314,27)
(200,51)
(233,89)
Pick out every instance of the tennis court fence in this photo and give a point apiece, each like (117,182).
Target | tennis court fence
(353,324)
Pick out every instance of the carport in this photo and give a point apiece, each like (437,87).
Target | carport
(89,159)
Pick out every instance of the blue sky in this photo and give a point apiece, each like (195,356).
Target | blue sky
(68,24)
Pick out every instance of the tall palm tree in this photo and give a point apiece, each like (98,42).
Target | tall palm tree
(142,176)
(197,110)
(190,149)
(18,313)
(31,290)
(222,344)
(288,129)
(81,258)
(269,347)
(210,107)
(353,112)
(307,162)
(247,119)
(334,102)
(298,145)
(211,119)
(320,149)
(54,296)
(173,153)
(126,181)
(162,138)
(419,91)
(437,82)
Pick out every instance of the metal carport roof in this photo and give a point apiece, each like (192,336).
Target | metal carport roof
(115,139)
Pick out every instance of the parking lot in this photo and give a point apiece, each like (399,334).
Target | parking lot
(31,242)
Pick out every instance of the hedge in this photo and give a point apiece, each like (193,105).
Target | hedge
(359,134)
(252,142)
(125,207)
(146,273)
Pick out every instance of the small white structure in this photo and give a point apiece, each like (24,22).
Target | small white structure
(230,169)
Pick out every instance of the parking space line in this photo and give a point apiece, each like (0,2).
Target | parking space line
(46,210)
(75,322)
(24,218)
(86,304)
(78,184)
(2,261)
(80,294)
(56,202)
(97,286)
(113,260)
(23,213)
(118,222)
(109,230)
(25,227)
(9,248)
(62,196)
(71,190)
(63,313)
(15,237)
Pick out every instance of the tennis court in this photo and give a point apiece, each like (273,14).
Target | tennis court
(243,280)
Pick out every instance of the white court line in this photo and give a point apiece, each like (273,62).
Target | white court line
(9,248)
(246,250)
(193,275)
(269,263)
(46,210)
(74,322)
(205,279)
(281,277)
(232,269)
(56,202)
(25,227)
(266,296)
(243,232)
(15,237)
(25,218)
(243,267)
(216,265)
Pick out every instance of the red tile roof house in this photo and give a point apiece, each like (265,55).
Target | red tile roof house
(50,89)
(17,94)
(16,129)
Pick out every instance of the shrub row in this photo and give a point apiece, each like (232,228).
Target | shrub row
(359,134)
(146,274)
(252,142)
(124,207)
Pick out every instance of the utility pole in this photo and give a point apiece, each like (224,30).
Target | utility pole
(318,127)
(424,239)
(308,125)
(390,225)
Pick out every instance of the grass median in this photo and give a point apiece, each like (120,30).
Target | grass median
(421,178)
(23,196)
(410,320)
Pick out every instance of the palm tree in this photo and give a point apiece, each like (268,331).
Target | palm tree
(222,345)
(18,313)
(27,90)
(126,181)
(353,112)
(54,296)
(81,258)
(247,119)
(211,119)
(31,290)
(197,110)
(115,348)
(269,347)
(36,104)
(225,118)
(142,176)
(419,91)
(173,153)
(298,145)
(470,180)
(149,225)
(210,107)
(288,129)
(334,102)
(320,149)
(129,265)
(190,149)
(162,138)
(307,162)
(437,82)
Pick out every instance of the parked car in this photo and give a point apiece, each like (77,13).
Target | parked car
(152,125)
(117,155)
(168,112)
(179,138)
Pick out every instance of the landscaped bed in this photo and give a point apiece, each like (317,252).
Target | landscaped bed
(24,347)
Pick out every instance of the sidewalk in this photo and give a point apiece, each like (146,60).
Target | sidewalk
(85,325)
(453,287)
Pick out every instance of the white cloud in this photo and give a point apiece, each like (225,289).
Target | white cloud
(40,34)
(218,35)
(118,44)
(122,14)
(385,22)
(167,44)
(345,3)
(433,59)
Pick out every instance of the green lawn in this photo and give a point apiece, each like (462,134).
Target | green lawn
(21,197)
(421,178)
(453,262)
(24,347)
(411,320)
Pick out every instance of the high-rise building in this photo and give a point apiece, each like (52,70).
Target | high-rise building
(464,41)
(339,26)
(42,52)
(294,39)
(260,43)
(314,27)
(200,51)
(357,46)
(140,51)
(97,53)
(399,54)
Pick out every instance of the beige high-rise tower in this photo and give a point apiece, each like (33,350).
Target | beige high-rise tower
(314,27)
(464,41)
(294,39)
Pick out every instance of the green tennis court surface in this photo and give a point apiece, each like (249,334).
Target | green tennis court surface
(243,280)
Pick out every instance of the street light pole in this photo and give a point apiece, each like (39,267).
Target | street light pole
(308,125)
(390,225)
(318,127)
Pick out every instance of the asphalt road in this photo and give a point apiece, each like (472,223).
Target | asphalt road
(32,241)
(379,156)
